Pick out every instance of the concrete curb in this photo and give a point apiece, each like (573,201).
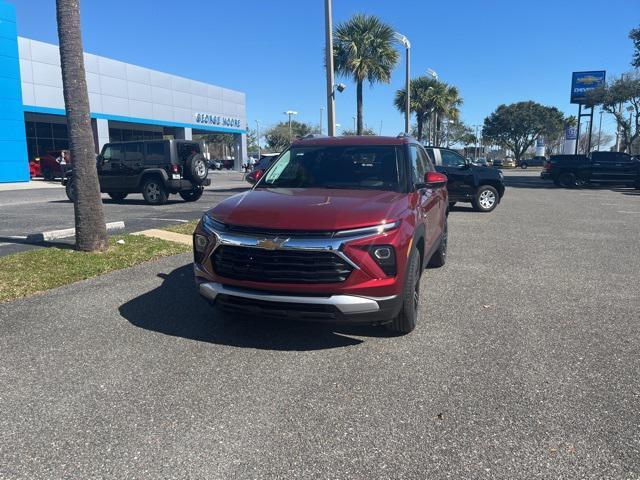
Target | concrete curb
(166,235)
(67,232)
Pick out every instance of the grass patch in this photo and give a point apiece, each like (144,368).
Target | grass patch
(184,228)
(38,270)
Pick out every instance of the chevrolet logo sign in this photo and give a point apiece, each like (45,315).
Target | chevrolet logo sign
(272,243)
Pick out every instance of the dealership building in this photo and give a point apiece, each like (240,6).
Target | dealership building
(127,102)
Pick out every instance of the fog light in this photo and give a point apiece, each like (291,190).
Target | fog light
(382,253)
(200,243)
(385,257)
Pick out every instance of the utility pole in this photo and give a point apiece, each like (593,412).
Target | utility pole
(258,137)
(600,129)
(475,149)
(328,27)
(354,124)
(618,136)
(320,124)
(290,113)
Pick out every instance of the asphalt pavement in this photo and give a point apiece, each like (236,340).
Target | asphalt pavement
(524,365)
(34,210)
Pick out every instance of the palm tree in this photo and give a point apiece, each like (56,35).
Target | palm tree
(445,102)
(91,233)
(420,99)
(363,49)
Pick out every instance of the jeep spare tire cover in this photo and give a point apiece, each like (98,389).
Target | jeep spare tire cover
(196,168)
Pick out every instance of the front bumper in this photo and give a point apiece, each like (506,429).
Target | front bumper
(338,308)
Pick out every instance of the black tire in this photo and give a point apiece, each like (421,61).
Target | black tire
(117,196)
(569,180)
(524,165)
(439,257)
(452,204)
(154,192)
(191,195)
(69,190)
(47,174)
(407,319)
(196,168)
(485,199)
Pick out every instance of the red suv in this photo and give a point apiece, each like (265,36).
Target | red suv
(337,229)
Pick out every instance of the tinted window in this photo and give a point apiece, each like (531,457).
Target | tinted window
(343,167)
(112,153)
(452,159)
(155,152)
(425,160)
(133,152)
(185,150)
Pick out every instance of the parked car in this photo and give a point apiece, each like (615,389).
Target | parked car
(599,168)
(155,168)
(497,162)
(215,165)
(47,165)
(340,229)
(479,162)
(538,161)
(260,167)
(482,186)
(509,163)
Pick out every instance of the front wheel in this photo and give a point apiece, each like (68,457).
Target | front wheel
(486,199)
(192,195)
(407,319)
(154,192)
(523,166)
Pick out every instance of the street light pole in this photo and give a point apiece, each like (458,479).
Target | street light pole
(258,137)
(290,113)
(407,107)
(432,128)
(328,27)
(320,124)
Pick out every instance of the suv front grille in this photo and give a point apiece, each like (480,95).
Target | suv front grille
(279,266)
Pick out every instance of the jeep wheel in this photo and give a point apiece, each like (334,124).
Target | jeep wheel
(191,195)
(486,199)
(68,189)
(117,196)
(406,320)
(439,257)
(197,169)
(154,192)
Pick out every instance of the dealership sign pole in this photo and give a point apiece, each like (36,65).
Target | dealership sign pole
(581,84)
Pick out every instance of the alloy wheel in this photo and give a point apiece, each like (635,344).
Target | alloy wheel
(487,199)
(153,191)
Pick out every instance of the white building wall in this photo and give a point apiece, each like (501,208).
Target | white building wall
(117,89)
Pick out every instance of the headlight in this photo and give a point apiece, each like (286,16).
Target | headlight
(211,225)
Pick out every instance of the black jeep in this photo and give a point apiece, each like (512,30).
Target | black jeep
(155,168)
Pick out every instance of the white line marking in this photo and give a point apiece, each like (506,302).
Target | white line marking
(165,219)
(625,211)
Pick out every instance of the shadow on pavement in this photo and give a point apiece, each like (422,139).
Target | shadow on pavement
(175,308)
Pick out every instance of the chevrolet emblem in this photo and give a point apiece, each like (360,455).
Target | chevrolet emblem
(272,244)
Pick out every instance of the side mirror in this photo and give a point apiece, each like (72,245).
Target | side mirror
(435,180)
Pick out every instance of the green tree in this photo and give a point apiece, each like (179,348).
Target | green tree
(91,233)
(634,35)
(366,131)
(363,48)
(430,97)
(277,137)
(623,91)
(517,126)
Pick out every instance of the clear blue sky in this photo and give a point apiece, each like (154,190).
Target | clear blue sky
(495,51)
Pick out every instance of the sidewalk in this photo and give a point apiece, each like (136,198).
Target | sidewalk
(36,183)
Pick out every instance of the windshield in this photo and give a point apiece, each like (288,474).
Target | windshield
(343,167)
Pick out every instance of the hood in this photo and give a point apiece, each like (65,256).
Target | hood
(310,209)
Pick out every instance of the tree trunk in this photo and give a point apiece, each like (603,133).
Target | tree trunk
(360,128)
(91,233)
(420,123)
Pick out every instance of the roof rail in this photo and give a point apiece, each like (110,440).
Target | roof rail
(314,135)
